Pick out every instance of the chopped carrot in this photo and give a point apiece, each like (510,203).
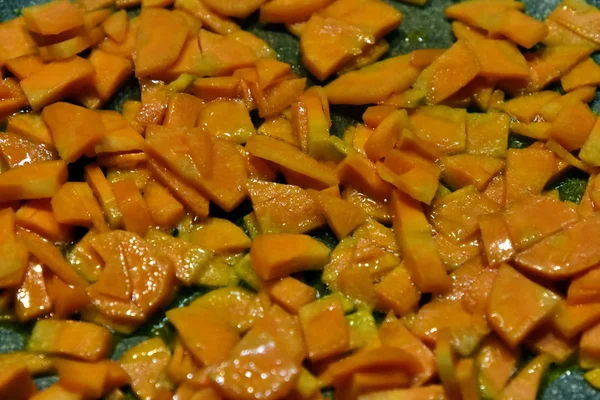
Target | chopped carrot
(18,41)
(535,303)
(487,134)
(226,119)
(17,151)
(366,85)
(325,329)
(291,294)
(220,236)
(25,66)
(75,204)
(13,97)
(38,216)
(209,18)
(33,181)
(53,18)
(32,299)
(221,55)
(440,127)
(30,126)
(145,364)
(294,253)
(136,216)
(183,110)
(125,48)
(116,26)
(111,72)
(342,216)
(526,384)
(16,383)
(67,124)
(496,240)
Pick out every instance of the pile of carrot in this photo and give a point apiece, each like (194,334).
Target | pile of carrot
(442,228)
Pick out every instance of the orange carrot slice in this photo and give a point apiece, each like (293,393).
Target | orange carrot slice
(53,18)
(33,181)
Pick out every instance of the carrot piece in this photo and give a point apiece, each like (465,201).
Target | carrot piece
(183,110)
(528,171)
(80,340)
(155,25)
(527,382)
(572,125)
(120,136)
(291,294)
(277,97)
(185,193)
(209,18)
(413,233)
(565,253)
(589,352)
(535,304)
(75,204)
(126,48)
(527,227)
(226,119)
(397,292)
(327,43)
(571,320)
(16,383)
(417,182)
(290,11)
(92,5)
(270,71)
(456,214)
(73,46)
(14,265)
(324,342)
(579,17)
(441,127)
(13,98)
(343,217)
(468,169)
(547,340)
(111,72)
(145,365)
(295,253)
(463,31)
(17,151)
(520,28)
(386,135)
(102,190)
(18,42)
(499,59)
(487,134)
(75,376)
(585,289)
(586,73)
(496,240)
(362,173)
(291,158)
(53,18)
(116,26)
(375,115)
(37,216)
(220,236)
(366,85)
(207,336)
(535,130)
(66,300)
(32,181)
(75,129)
(25,66)
(30,126)
(279,128)
(221,55)
(497,363)
(181,365)
(422,58)
(213,88)
(136,216)
(165,210)
(448,73)
(32,299)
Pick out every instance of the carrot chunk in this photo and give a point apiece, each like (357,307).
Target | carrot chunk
(14,264)
(53,18)
(322,342)
(16,383)
(145,364)
(136,216)
(38,216)
(33,181)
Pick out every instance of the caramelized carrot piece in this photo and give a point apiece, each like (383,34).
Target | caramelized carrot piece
(25,66)
(413,233)
(496,240)
(220,236)
(38,216)
(111,72)
(17,40)
(535,304)
(136,216)
(56,81)
(367,86)
(209,18)
(33,181)
(14,264)
(75,204)
(221,55)
(526,384)
(183,110)
(497,363)
(30,126)
(18,151)
(16,383)
(207,336)
(80,340)
(291,294)
(152,53)
(116,26)
(75,130)
(145,364)
(53,18)
(322,342)
(185,193)
(66,299)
